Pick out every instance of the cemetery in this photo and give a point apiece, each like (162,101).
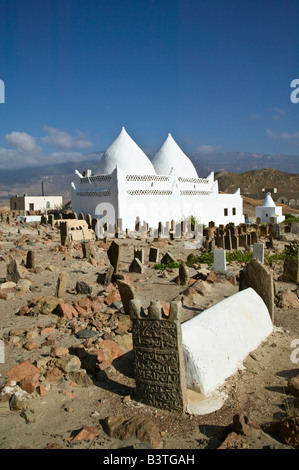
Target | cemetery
(166,337)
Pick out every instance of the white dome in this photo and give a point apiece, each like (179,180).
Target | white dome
(268,201)
(125,154)
(169,157)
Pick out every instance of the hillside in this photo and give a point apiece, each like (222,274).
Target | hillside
(252,182)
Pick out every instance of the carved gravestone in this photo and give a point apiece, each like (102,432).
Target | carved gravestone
(113,255)
(159,362)
(260,279)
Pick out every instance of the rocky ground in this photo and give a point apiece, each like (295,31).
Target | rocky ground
(67,379)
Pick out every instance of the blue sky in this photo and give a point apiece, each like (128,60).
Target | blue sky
(216,75)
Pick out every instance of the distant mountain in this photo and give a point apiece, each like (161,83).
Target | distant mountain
(240,162)
(57,178)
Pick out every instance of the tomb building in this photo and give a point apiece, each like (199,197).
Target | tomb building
(128,186)
(269,210)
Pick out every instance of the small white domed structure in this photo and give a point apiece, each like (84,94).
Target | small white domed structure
(171,159)
(269,210)
(125,154)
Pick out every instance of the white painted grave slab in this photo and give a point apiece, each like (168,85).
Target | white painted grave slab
(217,341)
(258,251)
(219,261)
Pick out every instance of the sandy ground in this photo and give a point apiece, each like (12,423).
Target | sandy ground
(258,390)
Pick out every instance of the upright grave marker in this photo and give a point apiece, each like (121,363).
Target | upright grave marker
(258,251)
(219,260)
(159,363)
(113,255)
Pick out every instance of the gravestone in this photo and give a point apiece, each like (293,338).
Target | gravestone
(219,261)
(294,228)
(30,260)
(259,278)
(258,251)
(127,294)
(51,220)
(228,242)
(168,258)
(61,284)
(139,254)
(184,276)
(113,253)
(235,242)
(88,219)
(63,233)
(86,250)
(136,266)
(13,273)
(153,255)
(291,271)
(158,357)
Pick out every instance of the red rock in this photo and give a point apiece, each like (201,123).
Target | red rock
(47,331)
(31,345)
(16,332)
(111,349)
(48,342)
(111,298)
(53,375)
(23,310)
(86,433)
(232,441)
(67,311)
(59,352)
(53,445)
(81,311)
(85,303)
(21,371)
(41,390)
(29,384)
(3,295)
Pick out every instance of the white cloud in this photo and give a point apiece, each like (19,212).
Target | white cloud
(282,135)
(23,151)
(23,142)
(207,149)
(64,141)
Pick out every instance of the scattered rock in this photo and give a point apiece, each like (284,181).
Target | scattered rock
(143,428)
(83,288)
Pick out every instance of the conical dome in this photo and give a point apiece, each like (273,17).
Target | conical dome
(268,201)
(171,157)
(125,154)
